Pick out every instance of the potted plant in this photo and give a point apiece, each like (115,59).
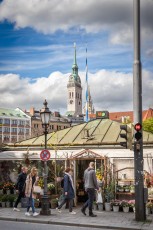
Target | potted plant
(132,204)
(1,187)
(125,205)
(115,205)
(121,188)
(51,188)
(11,199)
(127,188)
(4,200)
(132,189)
(109,195)
(149,206)
(54,203)
(36,203)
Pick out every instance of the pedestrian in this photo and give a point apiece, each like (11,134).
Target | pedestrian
(20,187)
(31,181)
(90,183)
(68,191)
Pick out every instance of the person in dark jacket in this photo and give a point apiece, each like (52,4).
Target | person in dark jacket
(68,191)
(91,184)
(20,187)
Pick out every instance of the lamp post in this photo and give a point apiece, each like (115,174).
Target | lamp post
(45,117)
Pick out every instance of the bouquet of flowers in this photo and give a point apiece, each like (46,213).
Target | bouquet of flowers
(132,203)
(125,203)
(115,202)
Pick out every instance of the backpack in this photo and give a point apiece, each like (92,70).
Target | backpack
(62,183)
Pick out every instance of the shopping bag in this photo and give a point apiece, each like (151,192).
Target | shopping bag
(37,189)
(99,197)
(25,202)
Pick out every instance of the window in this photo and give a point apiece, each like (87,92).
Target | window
(0,129)
(27,131)
(27,123)
(7,121)
(1,121)
(14,130)
(6,129)
(36,126)
(21,122)
(6,138)
(13,138)
(70,94)
(14,122)
(21,130)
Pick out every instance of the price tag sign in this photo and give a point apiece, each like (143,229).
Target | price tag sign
(45,155)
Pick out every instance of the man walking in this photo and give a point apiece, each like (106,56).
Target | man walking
(91,184)
(20,186)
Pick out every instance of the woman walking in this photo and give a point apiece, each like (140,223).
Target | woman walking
(68,191)
(31,181)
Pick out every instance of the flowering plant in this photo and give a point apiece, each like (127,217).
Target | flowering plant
(132,203)
(50,186)
(8,185)
(125,203)
(115,202)
(1,185)
(41,182)
(99,175)
(149,204)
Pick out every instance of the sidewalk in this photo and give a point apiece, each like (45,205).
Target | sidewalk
(119,220)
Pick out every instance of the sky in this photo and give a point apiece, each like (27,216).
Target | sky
(36,52)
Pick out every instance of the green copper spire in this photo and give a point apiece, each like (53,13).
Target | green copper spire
(74,66)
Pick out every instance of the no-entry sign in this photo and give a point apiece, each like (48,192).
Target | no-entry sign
(45,155)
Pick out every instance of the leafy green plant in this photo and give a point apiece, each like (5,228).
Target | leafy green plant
(110,192)
(4,198)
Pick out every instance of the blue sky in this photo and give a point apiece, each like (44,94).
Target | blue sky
(36,46)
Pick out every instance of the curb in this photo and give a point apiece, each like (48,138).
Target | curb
(69,224)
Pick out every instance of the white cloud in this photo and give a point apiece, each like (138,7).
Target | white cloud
(48,16)
(110,90)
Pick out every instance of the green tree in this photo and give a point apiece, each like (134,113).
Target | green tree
(148,125)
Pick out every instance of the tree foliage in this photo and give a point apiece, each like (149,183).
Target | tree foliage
(148,125)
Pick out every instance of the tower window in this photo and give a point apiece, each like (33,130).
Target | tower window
(70,94)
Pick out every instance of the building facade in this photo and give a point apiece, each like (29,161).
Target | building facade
(15,125)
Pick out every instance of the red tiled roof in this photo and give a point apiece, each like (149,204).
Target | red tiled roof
(117,116)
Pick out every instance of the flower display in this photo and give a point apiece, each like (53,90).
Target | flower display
(8,185)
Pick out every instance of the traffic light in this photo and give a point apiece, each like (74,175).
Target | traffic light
(138,134)
(126,133)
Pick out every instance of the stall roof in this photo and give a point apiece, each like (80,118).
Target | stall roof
(97,132)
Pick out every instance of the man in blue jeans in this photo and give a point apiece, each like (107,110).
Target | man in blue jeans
(90,182)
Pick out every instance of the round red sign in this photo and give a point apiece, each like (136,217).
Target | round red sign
(45,155)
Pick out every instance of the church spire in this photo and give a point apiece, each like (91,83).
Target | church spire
(74,66)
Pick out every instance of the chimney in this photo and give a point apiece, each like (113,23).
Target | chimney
(32,111)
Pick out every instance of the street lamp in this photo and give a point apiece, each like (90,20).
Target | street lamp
(45,117)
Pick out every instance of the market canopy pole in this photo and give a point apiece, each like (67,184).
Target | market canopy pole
(140,214)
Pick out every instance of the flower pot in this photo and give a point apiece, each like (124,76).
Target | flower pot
(116,208)
(125,209)
(1,191)
(100,206)
(8,192)
(7,204)
(148,211)
(95,207)
(107,207)
(3,204)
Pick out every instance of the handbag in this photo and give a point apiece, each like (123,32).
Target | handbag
(37,189)
(25,202)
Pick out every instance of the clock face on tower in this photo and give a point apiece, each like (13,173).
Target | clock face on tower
(71,101)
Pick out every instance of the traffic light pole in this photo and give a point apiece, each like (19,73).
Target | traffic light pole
(140,214)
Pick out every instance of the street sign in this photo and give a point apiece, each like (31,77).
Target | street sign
(45,155)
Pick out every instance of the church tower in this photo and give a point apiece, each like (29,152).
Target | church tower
(74,101)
